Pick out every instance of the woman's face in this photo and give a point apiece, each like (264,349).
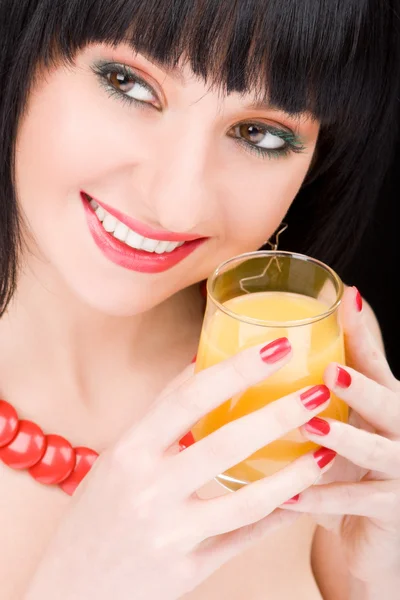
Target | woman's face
(178,162)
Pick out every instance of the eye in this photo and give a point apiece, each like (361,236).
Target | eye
(131,87)
(121,81)
(266,140)
(259,136)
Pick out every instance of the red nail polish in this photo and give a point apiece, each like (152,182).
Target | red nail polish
(315,396)
(275,351)
(293,500)
(359,300)
(194,360)
(343,378)
(324,456)
(317,426)
(203,288)
(186,441)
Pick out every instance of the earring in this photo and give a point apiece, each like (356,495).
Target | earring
(273,242)
(247,284)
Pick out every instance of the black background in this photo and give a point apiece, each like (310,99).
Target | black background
(375,268)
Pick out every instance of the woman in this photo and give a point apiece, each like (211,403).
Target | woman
(143,142)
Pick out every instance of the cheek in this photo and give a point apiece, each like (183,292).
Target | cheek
(62,145)
(261,199)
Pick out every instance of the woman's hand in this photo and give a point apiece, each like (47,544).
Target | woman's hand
(364,484)
(136,528)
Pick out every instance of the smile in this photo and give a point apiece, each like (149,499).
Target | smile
(133,245)
(122,233)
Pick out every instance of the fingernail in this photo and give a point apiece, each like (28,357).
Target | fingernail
(343,378)
(186,441)
(276,351)
(324,457)
(317,426)
(316,396)
(203,288)
(293,500)
(194,359)
(359,300)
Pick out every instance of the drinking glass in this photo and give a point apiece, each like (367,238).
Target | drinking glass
(256,298)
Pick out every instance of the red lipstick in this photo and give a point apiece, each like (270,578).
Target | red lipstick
(130,258)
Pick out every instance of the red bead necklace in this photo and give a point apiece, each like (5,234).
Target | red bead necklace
(49,459)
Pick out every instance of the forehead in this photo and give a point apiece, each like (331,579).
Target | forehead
(298,57)
(183,76)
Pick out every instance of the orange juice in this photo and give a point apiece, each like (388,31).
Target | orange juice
(314,345)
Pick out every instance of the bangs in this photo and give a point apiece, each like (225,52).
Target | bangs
(312,56)
(338,60)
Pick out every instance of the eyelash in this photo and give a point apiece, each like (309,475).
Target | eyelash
(292,143)
(103,70)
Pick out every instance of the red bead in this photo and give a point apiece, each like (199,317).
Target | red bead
(85,458)
(57,462)
(26,449)
(8,423)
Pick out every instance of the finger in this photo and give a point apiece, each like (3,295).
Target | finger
(363,351)
(184,376)
(375,403)
(257,500)
(180,379)
(215,552)
(367,450)
(196,397)
(373,499)
(239,439)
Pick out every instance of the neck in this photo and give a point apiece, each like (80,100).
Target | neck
(48,332)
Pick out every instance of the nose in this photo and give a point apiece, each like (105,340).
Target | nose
(180,191)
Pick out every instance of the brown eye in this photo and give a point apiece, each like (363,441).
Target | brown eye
(252,133)
(121,82)
(131,87)
(259,136)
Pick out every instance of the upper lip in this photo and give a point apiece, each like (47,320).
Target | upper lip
(146,230)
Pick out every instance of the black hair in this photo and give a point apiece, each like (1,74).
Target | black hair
(338,59)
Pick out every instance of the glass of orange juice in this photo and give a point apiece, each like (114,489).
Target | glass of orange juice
(257,298)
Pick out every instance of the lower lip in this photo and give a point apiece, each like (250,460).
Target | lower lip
(130,258)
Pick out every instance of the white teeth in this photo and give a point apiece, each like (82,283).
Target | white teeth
(121,232)
(110,223)
(171,247)
(149,245)
(101,213)
(134,240)
(161,247)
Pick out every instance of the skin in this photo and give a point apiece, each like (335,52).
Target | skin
(97,342)
(175,170)
(98,332)
(150,175)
